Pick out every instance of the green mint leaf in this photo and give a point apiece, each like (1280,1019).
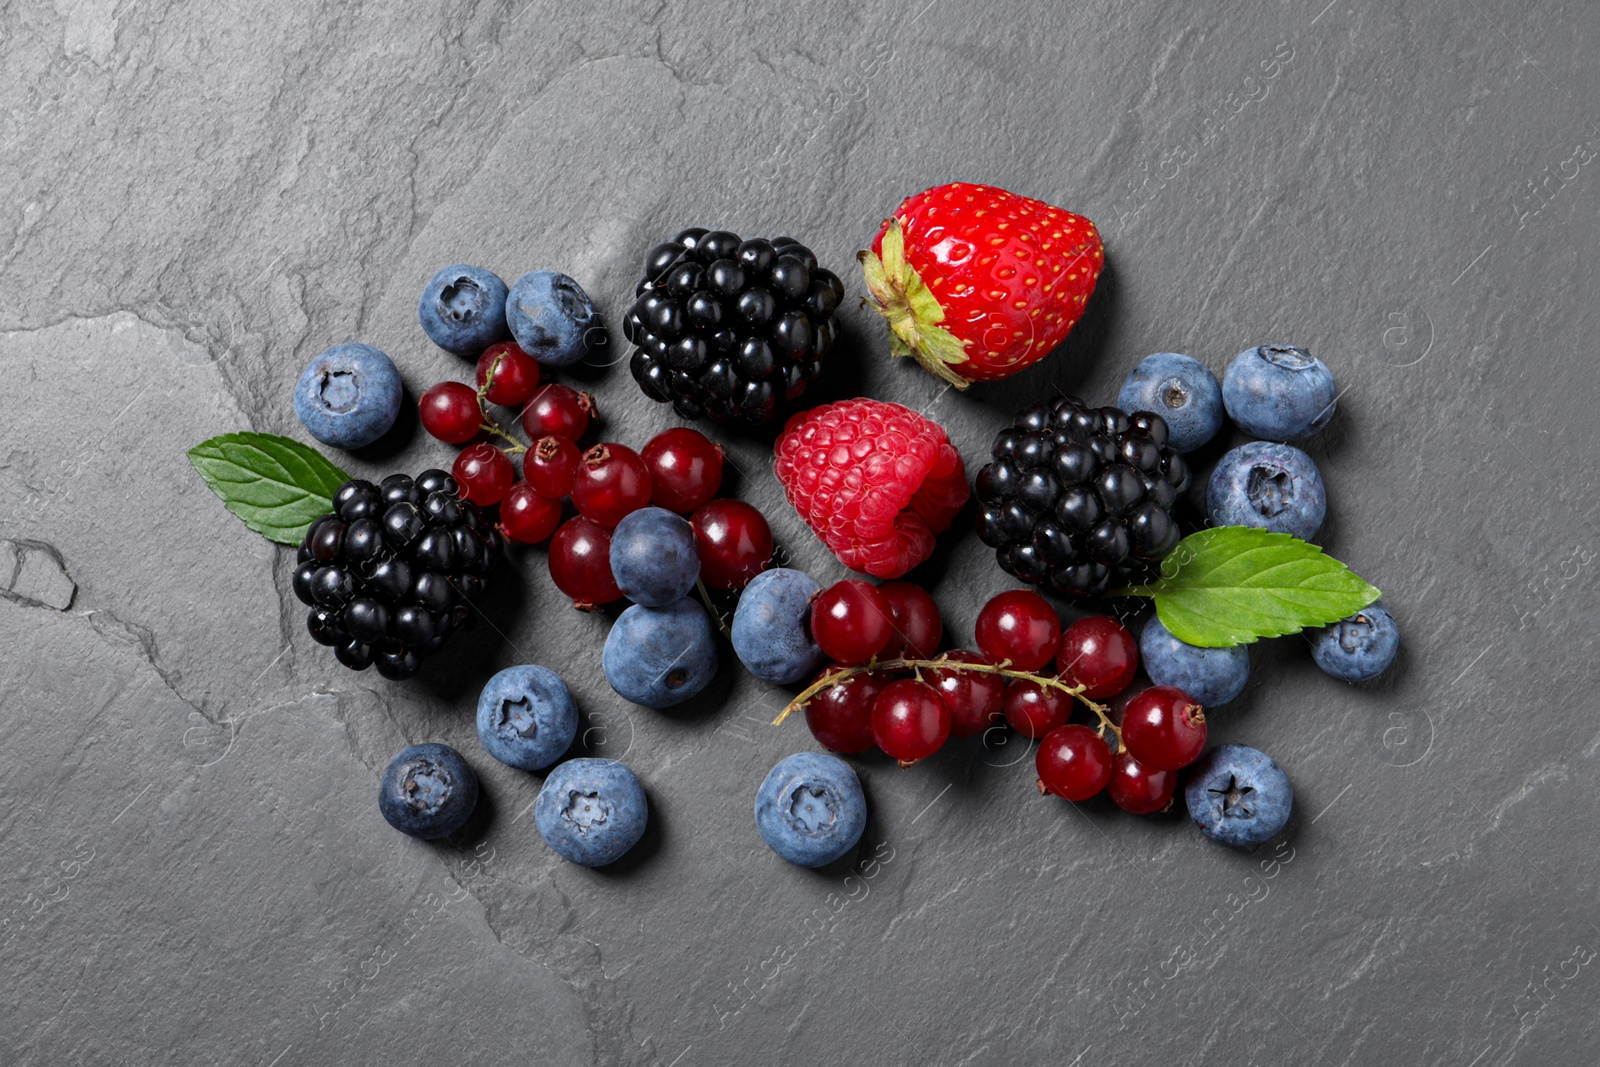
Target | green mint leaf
(277,485)
(1233,584)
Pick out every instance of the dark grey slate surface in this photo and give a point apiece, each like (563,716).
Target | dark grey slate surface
(199,199)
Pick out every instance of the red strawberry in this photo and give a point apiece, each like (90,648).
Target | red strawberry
(978,283)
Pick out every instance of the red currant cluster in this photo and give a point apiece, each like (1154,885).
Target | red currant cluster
(679,469)
(887,688)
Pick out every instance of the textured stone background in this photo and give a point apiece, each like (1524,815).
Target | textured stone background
(199,198)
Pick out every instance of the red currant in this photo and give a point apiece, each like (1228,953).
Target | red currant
(580,563)
(556,411)
(1139,789)
(685,469)
(484,474)
(612,482)
(450,412)
(851,621)
(917,623)
(976,699)
(735,543)
(909,721)
(551,466)
(1073,763)
(1164,728)
(1099,654)
(528,517)
(840,717)
(1033,710)
(516,375)
(1020,626)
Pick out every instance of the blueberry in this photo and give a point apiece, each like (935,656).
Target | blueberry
(1359,648)
(1279,392)
(1213,676)
(1238,796)
(810,810)
(349,396)
(1180,389)
(553,319)
(1274,487)
(428,791)
(463,309)
(659,657)
(654,558)
(591,811)
(526,717)
(772,627)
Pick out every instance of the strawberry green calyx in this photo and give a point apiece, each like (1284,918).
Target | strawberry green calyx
(900,295)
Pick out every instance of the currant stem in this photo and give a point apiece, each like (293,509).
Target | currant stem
(917,665)
(489,425)
(711,608)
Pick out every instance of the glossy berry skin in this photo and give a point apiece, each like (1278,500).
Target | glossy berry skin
(526,717)
(1359,648)
(484,473)
(591,811)
(1098,653)
(551,466)
(840,717)
(810,809)
(1272,487)
(580,563)
(1180,389)
(772,627)
(553,319)
(685,469)
(851,621)
(516,375)
(918,626)
(428,791)
(528,517)
(1137,789)
(654,558)
(875,481)
(1073,763)
(555,410)
(450,412)
(1238,796)
(612,481)
(1164,728)
(463,309)
(730,329)
(1279,392)
(1020,626)
(348,396)
(735,543)
(1033,710)
(1213,676)
(1010,275)
(659,657)
(976,699)
(909,721)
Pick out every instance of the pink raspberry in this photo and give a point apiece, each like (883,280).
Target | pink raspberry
(874,480)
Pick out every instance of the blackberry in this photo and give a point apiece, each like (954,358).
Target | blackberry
(1078,498)
(731,329)
(391,572)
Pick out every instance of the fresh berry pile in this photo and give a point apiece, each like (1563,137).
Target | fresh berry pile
(1078,499)
(393,570)
(731,328)
(977,284)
